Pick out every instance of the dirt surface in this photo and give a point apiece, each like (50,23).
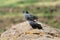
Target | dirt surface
(23,31)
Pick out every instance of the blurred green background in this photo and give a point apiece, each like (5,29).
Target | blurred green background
(48,12)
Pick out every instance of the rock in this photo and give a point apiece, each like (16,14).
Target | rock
(24,31)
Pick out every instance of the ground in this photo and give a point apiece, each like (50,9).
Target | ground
(23,31)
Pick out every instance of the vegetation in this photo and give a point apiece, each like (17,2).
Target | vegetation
(11,12)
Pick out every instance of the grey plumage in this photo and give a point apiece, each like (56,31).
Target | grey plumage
(29,16)
(31,19)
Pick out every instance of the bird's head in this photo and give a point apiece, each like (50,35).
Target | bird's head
(26,12)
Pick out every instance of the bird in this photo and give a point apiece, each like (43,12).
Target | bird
(30,16)
(31,19)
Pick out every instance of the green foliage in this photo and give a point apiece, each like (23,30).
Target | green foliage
(41,11)
(2,30)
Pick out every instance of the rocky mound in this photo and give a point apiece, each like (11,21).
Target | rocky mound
(23,31)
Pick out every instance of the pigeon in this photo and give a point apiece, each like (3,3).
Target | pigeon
(31,19)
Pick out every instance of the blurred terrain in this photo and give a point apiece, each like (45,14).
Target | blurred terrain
(48,12)
(23,31)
